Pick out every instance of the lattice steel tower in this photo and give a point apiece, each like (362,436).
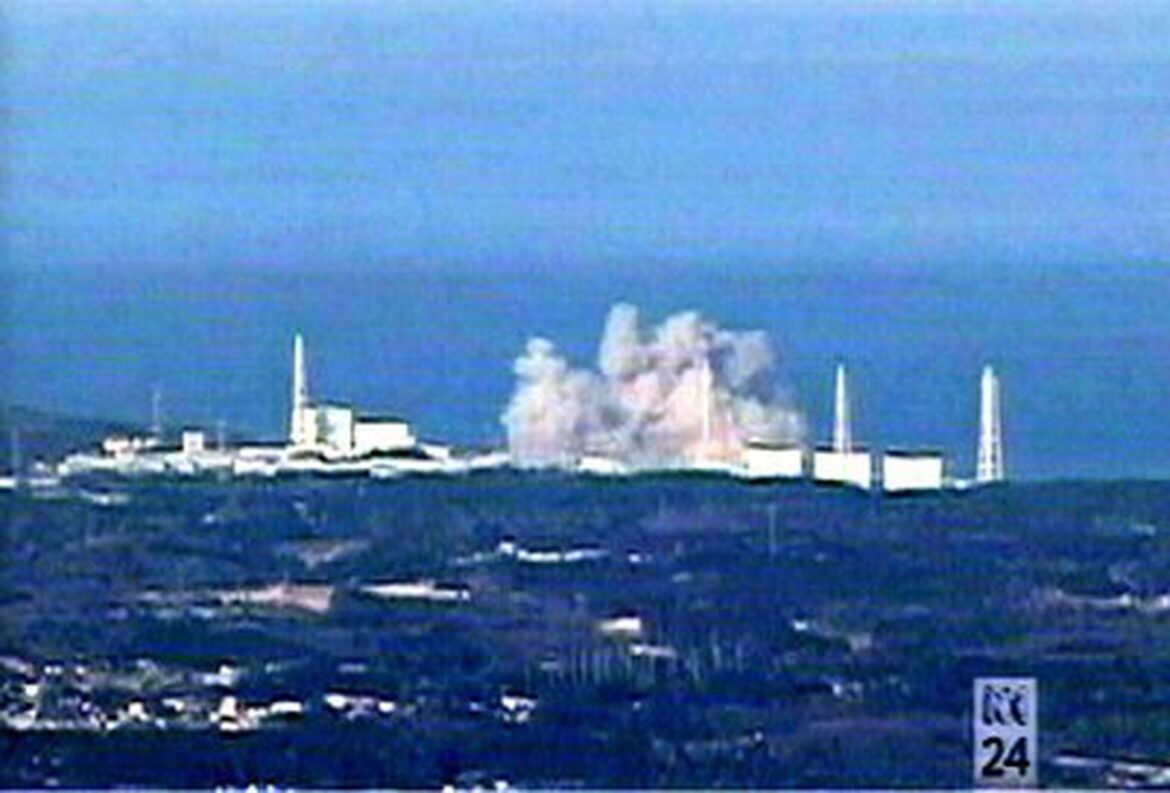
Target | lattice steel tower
(990,465)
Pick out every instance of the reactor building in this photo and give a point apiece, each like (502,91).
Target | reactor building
(762,460)
(337,431)
(845,463)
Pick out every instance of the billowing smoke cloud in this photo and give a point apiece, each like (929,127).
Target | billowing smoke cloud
(686,391)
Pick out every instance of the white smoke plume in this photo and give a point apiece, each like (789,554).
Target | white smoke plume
(687,391)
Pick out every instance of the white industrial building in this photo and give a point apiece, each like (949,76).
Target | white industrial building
(373,434)
(905,471)
(337,431)
(193,442)
(601,465)
(773,461)
(323,438)
(834,467)
(328,428)
(127,446)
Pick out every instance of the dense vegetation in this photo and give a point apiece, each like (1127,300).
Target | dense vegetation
(806,636)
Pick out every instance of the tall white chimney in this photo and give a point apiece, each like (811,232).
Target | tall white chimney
(990,460)
(842,421)
(299,434)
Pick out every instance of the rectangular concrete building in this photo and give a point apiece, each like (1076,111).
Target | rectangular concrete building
(773,461)
(905,471)
(374,434)
(853,468)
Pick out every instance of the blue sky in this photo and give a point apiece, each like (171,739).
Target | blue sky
(328,133)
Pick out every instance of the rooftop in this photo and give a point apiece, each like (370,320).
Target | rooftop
(912,452)
(773,446)
(383,418)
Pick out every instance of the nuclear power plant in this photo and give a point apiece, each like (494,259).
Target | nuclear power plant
(329,438)
(324,438)
(845,463)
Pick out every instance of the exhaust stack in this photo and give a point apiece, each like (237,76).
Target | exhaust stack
(990,466)
(842,420)
(299,434)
